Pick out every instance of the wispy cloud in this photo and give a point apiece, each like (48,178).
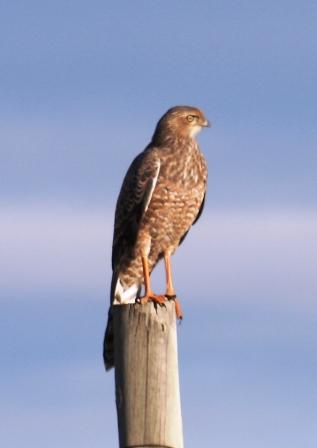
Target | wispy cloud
(254,254)
(230,254)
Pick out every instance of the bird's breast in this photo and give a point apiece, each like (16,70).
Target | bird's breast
(183,171)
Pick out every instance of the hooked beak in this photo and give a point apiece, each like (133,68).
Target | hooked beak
(206,124)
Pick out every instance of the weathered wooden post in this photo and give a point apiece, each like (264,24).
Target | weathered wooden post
(146,376)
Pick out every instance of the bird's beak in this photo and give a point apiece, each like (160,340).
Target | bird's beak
(206,124)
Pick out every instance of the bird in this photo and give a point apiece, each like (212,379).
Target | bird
(162,196)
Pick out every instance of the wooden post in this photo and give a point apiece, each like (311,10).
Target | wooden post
(146,375)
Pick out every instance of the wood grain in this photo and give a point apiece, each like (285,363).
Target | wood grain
(146,376)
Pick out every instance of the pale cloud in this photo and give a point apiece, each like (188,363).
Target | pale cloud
(230,254)
(253,254)
(54,247)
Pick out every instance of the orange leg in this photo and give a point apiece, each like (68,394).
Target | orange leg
(170,291)
(149,294)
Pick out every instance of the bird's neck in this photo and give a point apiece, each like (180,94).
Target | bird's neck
(175,143)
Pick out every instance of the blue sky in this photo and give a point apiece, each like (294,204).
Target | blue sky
(82,86)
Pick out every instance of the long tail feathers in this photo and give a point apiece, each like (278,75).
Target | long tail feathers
(108,343)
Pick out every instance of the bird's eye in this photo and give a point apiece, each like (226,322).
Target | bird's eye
(190,118)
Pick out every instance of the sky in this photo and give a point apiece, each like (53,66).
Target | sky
(81,89)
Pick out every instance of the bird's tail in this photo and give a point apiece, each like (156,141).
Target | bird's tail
(119,295)
(108,343)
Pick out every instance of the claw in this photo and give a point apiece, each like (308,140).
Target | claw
(178,309)
(157,299)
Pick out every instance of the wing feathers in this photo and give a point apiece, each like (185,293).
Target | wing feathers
(134,199)
(151,186)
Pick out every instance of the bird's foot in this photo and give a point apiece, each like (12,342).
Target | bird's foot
(151,297)
(178,309)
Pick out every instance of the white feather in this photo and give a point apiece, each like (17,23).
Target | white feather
(194,130)
(153,184)
(123,296)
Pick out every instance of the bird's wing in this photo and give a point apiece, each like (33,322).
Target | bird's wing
(202,205)
(205,175)
(133,201)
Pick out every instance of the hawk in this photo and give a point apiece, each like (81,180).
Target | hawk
(162,196)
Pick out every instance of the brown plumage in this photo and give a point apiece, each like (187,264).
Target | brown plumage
(161,197)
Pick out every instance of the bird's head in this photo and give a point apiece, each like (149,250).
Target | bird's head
(180,121)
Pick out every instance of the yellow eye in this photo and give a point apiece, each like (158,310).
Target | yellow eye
(190,118)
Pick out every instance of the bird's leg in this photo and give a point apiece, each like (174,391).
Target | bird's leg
(149,294)
(170,291)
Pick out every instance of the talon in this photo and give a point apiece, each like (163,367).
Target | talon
(157,299)
(178,309)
